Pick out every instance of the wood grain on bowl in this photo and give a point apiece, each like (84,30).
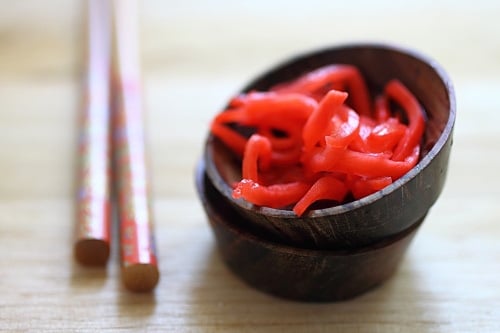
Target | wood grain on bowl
(296,273)
(385,213)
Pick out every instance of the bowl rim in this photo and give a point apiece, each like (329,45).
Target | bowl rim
(365,201)
(247,235)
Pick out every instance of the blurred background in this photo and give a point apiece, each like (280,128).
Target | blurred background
(196,54)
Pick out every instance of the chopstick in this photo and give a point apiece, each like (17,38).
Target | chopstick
(92,243)
(93,232)
(137,239)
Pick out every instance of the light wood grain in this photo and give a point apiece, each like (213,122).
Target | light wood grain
(195,55)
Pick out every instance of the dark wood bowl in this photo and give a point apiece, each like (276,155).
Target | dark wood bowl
(385,213)
(297,273)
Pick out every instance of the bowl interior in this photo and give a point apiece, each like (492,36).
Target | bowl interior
(347,225)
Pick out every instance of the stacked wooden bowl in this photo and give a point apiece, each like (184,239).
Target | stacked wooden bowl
(339,252)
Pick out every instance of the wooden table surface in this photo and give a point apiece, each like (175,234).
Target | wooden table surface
(194,57)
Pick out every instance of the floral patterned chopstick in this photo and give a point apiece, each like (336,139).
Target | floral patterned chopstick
(137,238)
(92,245)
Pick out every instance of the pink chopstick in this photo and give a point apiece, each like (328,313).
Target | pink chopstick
(92,245)
(137,238)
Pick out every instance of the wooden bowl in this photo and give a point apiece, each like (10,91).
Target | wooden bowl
(297,273)
(385,213)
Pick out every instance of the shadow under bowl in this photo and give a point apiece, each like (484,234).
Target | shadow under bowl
(296,273)
(383,214)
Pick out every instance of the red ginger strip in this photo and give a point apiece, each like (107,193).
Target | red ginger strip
(397,91)
(382,112)
(257,152)
(363,187)
(373,165)
(325,188)
(234,140)
(318,82)
(317,123)
(274,196)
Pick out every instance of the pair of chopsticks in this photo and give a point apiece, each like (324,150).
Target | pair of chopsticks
(112,126)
